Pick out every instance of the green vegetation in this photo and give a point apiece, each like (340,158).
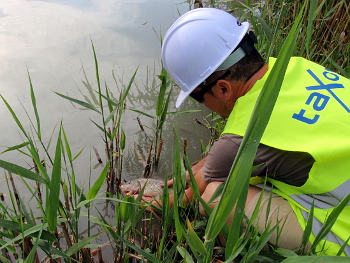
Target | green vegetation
(313,29)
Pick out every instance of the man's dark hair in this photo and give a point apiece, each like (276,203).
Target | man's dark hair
(244,69)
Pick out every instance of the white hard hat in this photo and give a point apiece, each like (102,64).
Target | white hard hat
(198,43)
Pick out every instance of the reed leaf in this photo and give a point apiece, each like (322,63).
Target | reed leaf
(53,195)
(261,21)
(253,253)
(96,70)
(26,229)
(29,217)
(21,171)
(166,216)
(110,102)
(33,252)
(183,112)
(122,140)
(337,67)
(235,228)
(16,147)
(70,158)
(14,116)
(144,253)
(79,102)
(164,112)
(117,237)
(3,242)
(328,224)
(126,92)
(194,241)
(161,96)
(112,114)
(309,29)
(178,177)
(88,201)
(342,248)
(143,113)
(98,126)
(4,260)
(81,244)
(52,251)
(308,228)
(286,252)
(185,255)
(240,246)
(32,95)
(98,184)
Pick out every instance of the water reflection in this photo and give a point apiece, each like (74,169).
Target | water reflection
(76,3)
(52,41)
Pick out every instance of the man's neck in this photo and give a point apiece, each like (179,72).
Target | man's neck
(247,86)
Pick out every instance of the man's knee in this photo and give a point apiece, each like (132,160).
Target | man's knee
(207,195)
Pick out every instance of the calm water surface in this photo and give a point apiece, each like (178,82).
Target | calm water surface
(52,41)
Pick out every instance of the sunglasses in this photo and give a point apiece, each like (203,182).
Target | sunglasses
(199,95)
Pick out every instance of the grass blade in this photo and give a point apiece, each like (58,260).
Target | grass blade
(77,246)
(98,184)
(143,113)
(194,241)
(160,101)
(16,147)
(14,116)
(309,28)
(26,229)
(328,224)
(79,102)
(185,255)
(33,253)
(16,169)
(4,260)
(52,201)
(32,95)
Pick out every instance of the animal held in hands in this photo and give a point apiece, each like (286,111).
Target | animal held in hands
(150,187)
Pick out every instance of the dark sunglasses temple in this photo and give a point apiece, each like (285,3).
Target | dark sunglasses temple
(198,96)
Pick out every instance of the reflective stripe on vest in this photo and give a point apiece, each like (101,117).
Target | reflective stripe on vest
(331,237)
(325,200)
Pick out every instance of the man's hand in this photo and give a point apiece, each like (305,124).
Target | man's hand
(169,183)
(145,198)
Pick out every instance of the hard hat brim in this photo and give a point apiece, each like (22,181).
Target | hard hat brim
(181,98)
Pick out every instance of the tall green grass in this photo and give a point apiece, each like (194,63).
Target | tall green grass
(313,29)
(323,34)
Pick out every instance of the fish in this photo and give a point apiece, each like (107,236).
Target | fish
(152,187)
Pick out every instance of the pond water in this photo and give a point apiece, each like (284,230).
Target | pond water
(52,41)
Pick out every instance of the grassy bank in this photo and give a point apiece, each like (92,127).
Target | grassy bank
(317,30)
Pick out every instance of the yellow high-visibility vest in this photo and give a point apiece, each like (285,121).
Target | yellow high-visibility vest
(312,114)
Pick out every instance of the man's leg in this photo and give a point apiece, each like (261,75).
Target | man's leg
(274,209)
(211,188)
(287,235)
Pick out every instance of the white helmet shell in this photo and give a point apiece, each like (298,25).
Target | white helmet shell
(197,43)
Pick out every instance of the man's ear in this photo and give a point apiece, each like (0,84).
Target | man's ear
(224,88)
